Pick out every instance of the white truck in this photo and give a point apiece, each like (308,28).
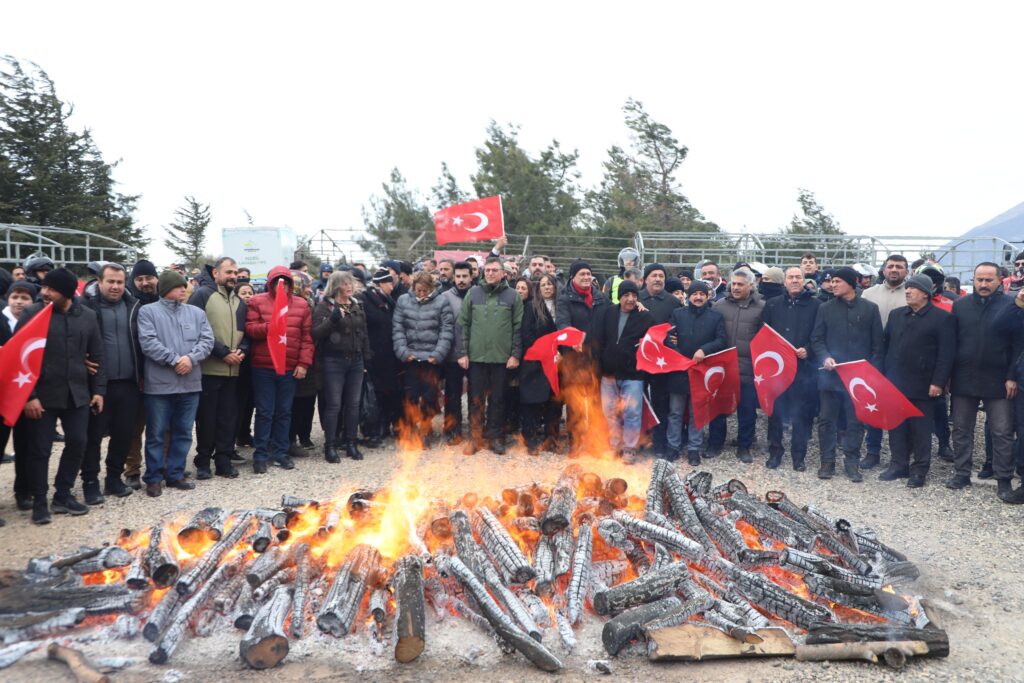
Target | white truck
(259,248)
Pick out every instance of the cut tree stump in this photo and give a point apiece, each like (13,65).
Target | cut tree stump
(692,643)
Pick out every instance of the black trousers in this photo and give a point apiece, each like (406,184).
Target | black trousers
(833,406)
(120,407)
(216,420)
(454,376)
(659,402)
(914,435)
(246,404)
(301,427)
(75,423)
(486,391)
(541,420)
(422,393)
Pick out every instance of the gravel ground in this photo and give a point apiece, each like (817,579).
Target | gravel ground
(967,544)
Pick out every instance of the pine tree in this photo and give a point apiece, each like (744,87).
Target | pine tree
(187,233)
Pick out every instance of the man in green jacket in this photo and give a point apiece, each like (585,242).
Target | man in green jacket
(217,417)
(491,316)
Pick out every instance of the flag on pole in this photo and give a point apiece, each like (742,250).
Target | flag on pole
(775,365)
(876,401)
(475,221)
(545,349)
(715,386)
(277,330)
(20,365)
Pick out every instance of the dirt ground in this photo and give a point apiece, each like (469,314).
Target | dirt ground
(967,544)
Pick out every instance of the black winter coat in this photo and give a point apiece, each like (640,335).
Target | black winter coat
(133,305)
(794,318)
(383,368)
(696,328)
(533,383)
(919,349)
(340,335)
(985,356)
(63,380)
(616,354)
(845,331)
(660,306)
(572,311)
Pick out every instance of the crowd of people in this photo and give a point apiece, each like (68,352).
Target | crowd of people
(150,358)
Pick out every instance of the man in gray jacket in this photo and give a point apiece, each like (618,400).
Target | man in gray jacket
(175,338)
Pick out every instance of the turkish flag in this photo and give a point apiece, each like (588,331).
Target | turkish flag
(715,386)
(475,221)
(876,400)
(546,348)
(654,357)
(20,364)
(774,366)
(648,418)
(277,330)
(943,303)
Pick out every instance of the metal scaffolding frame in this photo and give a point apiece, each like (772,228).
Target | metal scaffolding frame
(66,246)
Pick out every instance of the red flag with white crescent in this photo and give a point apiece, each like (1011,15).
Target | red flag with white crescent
(20,361)
(876,401)
(654,357)
(545,349)
(475,221)
(715,386)
(277,330)
(648,418)
(774,360)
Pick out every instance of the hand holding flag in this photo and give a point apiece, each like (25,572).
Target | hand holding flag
(545,349)
(876,401)
(775,365)
(20,365)
(654,357)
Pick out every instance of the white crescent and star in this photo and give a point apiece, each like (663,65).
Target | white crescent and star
(25,376)
(647,339)
(563,336)
(717,370)
(483,222)
(859,382)
(779,363)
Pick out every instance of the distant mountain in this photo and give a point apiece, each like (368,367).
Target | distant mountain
(1009,225)
(959,256)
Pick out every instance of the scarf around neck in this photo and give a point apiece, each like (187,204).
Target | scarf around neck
(587,294)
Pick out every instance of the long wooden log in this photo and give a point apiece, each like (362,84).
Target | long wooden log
(80,666)
(539,655)
(770,521)
(722,531)
(695,605)
(245,608)
(303,572)
(466,546)
(110,557)
(207,526)
(893,652)
(628,626)
(558,516)
(262,537)
(579,580)
(54,596)
(161,615)
(267,588)
(209,562)
(776,600)
(561,548)
(656,487)
(178,628)
(15,629)
(265,643)
(342,601)
(161,564)
(736,630)
(543,564)
(136,578)
(277,518)
(647,588)
(224,600)
(266,565)
(822,633)
(565,632)
(410,609)
(658,534)
(503,548)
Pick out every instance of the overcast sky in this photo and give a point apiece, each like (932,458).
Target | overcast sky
(903,118)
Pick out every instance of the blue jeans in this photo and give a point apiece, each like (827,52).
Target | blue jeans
(677,405)
(175,413)
(622,402)
(339,397)
(746,421)
(273,395)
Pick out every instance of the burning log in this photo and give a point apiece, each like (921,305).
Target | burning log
(161,564)
(262,537)
(859,540)
(936,639)
(55,595)
(697,483)
(16,629)
(543,564)
(161,616)
(225,600)
(265,643)
(538,610)
(208,563)
(726,489)
(801,562)
(295,502)
(561,548)
(769,521)
(466,546)
(136,578)
(734,629)
(776,600)
(614,534)
(330,522)
(579,580)
(81,667)
(205,527)
(558,516)
(647,588)
(277,518)
(629,626)
(410,609)
(342,602)
(662,557)
(437,596)
(658,534)
(565,632)
(108,558)
(499,621)
(245,608)
(267,588)
(609,572)
(379,604)
(614,487)
(503,548)
(178,626)
(656,487)
(526,524)
(303,570)
(722,531)
(359,504)
(751,616)
(266,565)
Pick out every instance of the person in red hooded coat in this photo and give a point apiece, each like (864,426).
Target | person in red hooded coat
(273,393)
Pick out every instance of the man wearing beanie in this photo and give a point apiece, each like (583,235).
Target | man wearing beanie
(141,285)
(616,332)
(660,303)
(382,369)
(175,338)
(847,328)
(65,390)
(698,331)
(920,343)
(577,304)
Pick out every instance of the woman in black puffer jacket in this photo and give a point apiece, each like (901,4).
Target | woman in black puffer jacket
(343,347)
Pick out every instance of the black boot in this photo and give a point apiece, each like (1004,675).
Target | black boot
(693,457)
(352,451)
(1013,497)
(330,454)
(827,469)
(1003,487)
(774,460)
(798,463)
(91,493)
(852,470)
(869,461)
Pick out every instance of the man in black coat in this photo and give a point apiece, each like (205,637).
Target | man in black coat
(615,333)
(65,390)
(919,347)
(696,332)
(660,304)
(847,328)
(383,369)
(985,371)
(792,315)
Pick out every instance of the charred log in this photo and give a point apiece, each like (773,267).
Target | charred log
(303,571)
(936,639)
(207,526)
(561,548)
(579,580)
(629,626)
(647,588)
(108,558)
(262,537)
(410,609)
(161,564)
(54,595)
(245,608)
(558,516)
(209,562)
(267,588)
(503,548)
(265,643)
(160,617)
(342,602)
(136,578)
(658,534)
(15,629)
